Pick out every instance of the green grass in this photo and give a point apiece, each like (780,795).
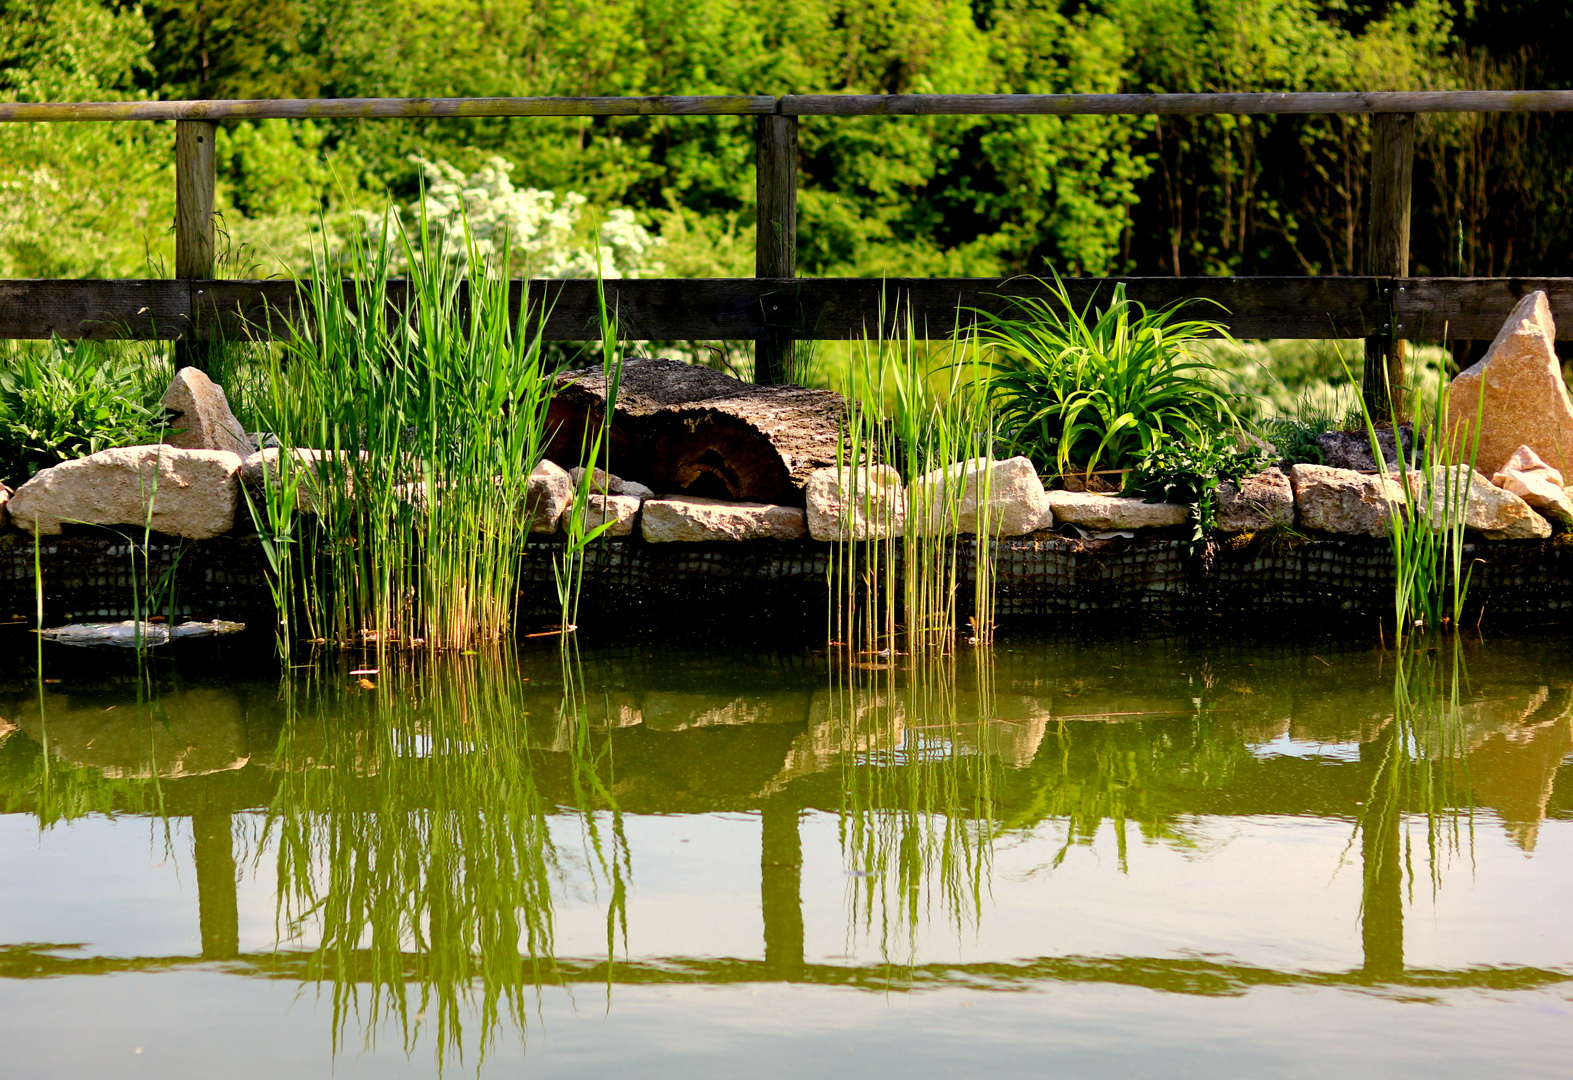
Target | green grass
(1101,387)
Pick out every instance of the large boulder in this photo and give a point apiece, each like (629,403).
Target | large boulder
(190,493)
(1255,502)
(1344,501)
(694,519)
(547,494)
(202,419)
(1537,483)
(1515,396)
(871,499)
(687,429)
(1114,513)
(1493,512)
(950,500)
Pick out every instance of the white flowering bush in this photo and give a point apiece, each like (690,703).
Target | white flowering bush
(546,235)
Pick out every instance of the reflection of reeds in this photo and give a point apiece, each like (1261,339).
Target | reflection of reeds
(918,793)
(439,875)
(895,578)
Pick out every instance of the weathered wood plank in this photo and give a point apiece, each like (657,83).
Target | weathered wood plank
(1437,309)
(1387,255)
(196,182)
(388,108)
(827,308)
(94,309)
(1176,104)
(775,251)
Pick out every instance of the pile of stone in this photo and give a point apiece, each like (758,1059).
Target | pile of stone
(760,463)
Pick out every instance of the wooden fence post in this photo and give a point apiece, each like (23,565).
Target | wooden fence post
(1387,255)
(195,178)
(776,253)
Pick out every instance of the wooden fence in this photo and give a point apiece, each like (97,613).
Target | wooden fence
(1384,306)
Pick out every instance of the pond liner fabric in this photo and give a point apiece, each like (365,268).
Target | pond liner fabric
(88,576)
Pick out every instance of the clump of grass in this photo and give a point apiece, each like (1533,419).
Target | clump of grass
(61,400)
(1100,389)
(426,420)
(889,593)
(1426,522)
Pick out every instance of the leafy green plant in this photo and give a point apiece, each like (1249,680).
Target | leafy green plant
(1187,472)
(62,400)
(1099,390)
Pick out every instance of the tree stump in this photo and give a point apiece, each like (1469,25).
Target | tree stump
(685,429)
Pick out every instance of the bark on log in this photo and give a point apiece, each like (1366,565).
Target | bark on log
(681,428)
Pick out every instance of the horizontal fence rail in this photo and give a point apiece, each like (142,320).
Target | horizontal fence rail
(1429,101)
(1386,307)
(742,309)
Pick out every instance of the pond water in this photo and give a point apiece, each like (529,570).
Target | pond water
(1065,858)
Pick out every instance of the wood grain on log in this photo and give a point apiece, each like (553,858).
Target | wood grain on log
(681,428)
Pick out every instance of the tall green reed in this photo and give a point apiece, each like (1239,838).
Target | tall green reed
(418,424)
(1427,517)
(896,574)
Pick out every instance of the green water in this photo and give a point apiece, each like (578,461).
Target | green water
(1069,858)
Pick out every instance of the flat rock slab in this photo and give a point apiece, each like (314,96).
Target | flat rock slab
(1537,483)
(203,420)
(1255,502)
(190,493)
(1517,394)
(693,519)
(866,503)
(1114,513)
(1491,511)
(1343,501)
(1005,498)
(688,429)
(617,512)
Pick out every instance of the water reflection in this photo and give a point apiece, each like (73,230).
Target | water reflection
(426,825)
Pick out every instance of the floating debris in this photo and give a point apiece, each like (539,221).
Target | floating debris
(132,634)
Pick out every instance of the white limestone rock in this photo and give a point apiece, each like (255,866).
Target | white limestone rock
(948,500)
(547,494)
(1495,513)
(1343,501)
(1255,502)
(872,498)
(203,420)
(617,512)
(1537,483)
(605,483)
(190,493)
(1114,513)
(689,518)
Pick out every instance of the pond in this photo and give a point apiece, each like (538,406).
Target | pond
(1065,857)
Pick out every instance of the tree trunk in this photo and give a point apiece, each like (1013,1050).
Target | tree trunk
(685,429)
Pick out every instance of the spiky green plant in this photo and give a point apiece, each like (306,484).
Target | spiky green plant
(1097,389)
(423,420)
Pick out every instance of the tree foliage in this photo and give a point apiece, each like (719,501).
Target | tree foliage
(911,195)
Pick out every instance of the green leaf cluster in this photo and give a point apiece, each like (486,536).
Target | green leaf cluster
(65,400)
(1100,389)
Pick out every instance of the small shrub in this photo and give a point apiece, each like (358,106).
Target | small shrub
(63,400)
(1190,472)
(1090,392)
